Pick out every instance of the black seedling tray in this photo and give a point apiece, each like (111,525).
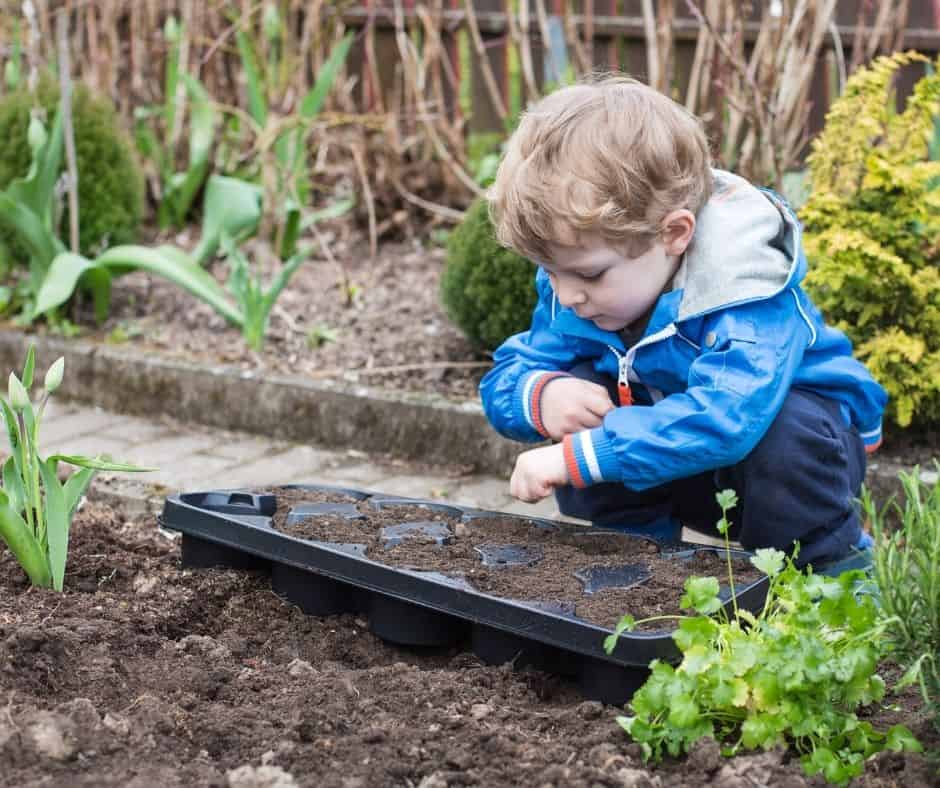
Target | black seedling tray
(232,528)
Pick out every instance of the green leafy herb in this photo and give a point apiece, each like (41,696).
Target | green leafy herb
(791,675)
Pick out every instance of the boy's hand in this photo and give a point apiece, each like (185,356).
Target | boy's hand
(570,405)
(538,472)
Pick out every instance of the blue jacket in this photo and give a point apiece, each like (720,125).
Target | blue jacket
(720,353)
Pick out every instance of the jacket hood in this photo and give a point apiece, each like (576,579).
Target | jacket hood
(745,247)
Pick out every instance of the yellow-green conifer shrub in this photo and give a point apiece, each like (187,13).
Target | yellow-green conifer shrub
(872,232)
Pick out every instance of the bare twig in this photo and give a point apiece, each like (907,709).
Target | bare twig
(839,53)
(665,44)
(342,372)
(230,31)
(520,35)
(484,62)
(438,210)
(546,36)
(652,45)
(375,82)
(65,107)
(359,160)
(33,55)
(415,76)
(573,40)
(180,97)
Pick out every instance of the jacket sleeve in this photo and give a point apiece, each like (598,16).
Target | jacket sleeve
(736,387)
(523,364)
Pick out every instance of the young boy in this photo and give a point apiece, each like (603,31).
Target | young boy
(672,352)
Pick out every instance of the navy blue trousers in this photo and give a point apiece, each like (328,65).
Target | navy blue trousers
(799,484)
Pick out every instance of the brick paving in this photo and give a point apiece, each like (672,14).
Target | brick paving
(190,458)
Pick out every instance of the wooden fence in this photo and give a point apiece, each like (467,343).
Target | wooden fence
(119,45)
(432,70)
(603,35)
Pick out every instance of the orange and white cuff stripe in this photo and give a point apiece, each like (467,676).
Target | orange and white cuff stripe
(533,398)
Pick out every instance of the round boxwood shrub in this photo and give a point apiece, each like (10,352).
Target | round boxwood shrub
(487,290)
(110,182)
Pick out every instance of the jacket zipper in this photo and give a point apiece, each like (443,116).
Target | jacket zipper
(624,393)
(625,363)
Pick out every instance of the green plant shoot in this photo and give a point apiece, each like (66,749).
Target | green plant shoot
(156,131)
(793,674)
(285,174)
(231,207)
(254,301)
(36,509)
(27,204)
(12,69)
(906,577)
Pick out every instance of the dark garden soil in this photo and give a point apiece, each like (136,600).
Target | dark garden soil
(554,556)
(143,674)
(393,320)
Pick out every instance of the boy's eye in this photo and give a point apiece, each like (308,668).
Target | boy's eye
(591,277)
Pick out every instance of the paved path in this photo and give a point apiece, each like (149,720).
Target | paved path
(191,458)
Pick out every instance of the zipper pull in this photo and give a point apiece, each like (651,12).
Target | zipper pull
(623,383)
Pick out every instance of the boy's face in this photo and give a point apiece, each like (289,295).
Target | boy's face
(602,284)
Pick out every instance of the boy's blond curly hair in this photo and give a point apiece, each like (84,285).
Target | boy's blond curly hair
(609,155)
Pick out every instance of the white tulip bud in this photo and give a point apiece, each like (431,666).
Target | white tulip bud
(271,22)
(19,399)
(171,30)
(36,135)
(54,375)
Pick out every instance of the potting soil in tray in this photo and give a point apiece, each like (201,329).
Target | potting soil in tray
(431,574)
(548,562)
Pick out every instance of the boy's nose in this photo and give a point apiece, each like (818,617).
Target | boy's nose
(569,295)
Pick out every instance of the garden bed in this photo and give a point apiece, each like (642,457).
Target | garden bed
(142,673)
(393,334)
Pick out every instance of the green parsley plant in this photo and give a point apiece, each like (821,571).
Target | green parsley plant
(791,675)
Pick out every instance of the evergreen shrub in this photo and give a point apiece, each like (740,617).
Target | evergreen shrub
(487,290)
(110,181)
(872,232)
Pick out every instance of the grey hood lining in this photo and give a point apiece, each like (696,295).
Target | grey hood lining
(745,247)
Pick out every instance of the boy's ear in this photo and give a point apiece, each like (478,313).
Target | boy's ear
(678,228)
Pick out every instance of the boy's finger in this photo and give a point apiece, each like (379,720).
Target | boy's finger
(589,421)
(600,407)
(538,491)
(601,392)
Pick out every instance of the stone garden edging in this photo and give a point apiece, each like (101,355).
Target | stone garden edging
(428,428)
(409,425)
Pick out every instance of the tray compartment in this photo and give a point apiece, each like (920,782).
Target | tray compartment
(408,624)
(315,594)
(203,554)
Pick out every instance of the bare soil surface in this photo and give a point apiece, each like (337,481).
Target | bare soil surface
(143,674)
(545,560)
(390,333)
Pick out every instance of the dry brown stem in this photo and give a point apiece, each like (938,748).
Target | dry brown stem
(483,61)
